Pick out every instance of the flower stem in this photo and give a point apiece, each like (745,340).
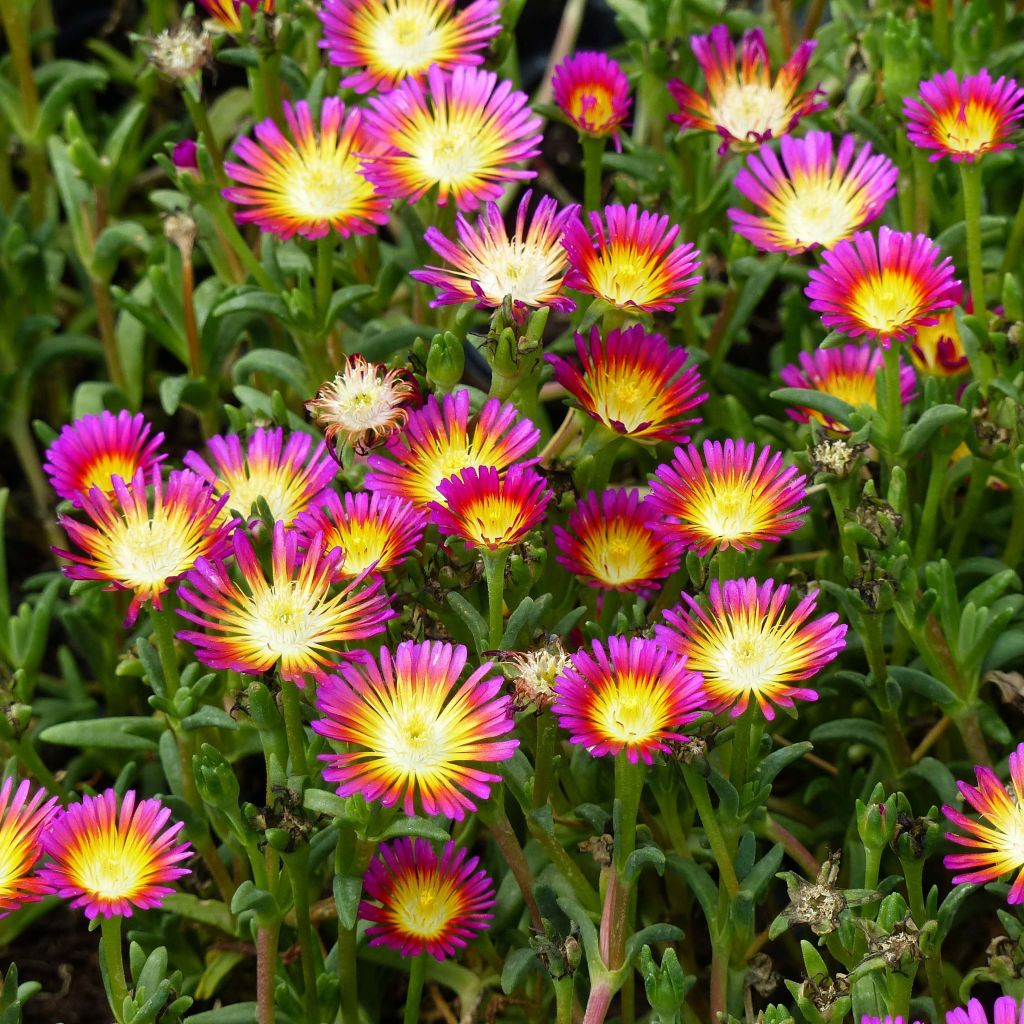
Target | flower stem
(970,180)
(293,727)
(593,151)
(629,783)
(940,27)
(741,739)
(266,960)
(201,121)
(113,965)
(417,972)
(893,401)
(163,633)
(698,788)
(297,865)
(543,757)
(494,816)
(929,513)
(494,572)
(324,277)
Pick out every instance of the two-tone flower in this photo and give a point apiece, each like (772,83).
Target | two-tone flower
(592,91)
(24,815)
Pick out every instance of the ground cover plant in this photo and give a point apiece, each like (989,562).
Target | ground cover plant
(514,511)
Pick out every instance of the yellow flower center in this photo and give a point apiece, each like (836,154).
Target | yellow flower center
(274,489)
(628,715)
(415,742)
(592,107)
(363,544)
(108,866)
(100,471)
(405,39)
(728,513)
(746,110)
(817,212)
(453,151)
(281,619)
(968,129)
(620,557)
(886,302)
(624,275)
(322,186)
(747,658)
(425,906)
(144,554)
(525,270)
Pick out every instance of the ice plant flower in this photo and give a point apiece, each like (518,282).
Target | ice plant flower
(110,859)
(184,155)
(806,200)
(748,648)
(412,733)
(592,91)
(94,449)
(363,404)
(419,901)
(963,119)
(288,475)
(608,543)
(295,620)
(733,497)
(631,697)
(937,350)
(847,373)
(311,181)
(439,441)
(884,290)
(226,13)
(390,40)
(633,382)
(995,840)
(462,133)
(629,260)
(743,105)
(23,817)
(1006,1010)
(143,544)
(374,532)
(487,265)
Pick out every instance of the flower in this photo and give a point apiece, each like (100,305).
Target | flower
(847,373)
(395,39)
(412,733)
(608,542)
(488,265)
(592,91)
(634,383)
(438,442)
(110,859)
(286,475)
(937,349)
(629,698)
(23,817)
(533,674)
(489,510)
(1007,1011)
(92,450)
(374,532)
(884,289)
(462,134)
(996,839)
(364,403)
(808,201)
(425,903)
(141,544)
(629,260)
(311,182)
(745,107)
(742,498)
(226,12)
(747,647)
(293,620)
(964,120)
(184,155)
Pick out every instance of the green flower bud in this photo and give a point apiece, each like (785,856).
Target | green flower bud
(901,61)
(446,361)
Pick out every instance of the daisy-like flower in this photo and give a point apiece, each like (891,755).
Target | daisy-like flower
(439,442)
(363,404)
(110,859)
(92,450)
(374,532)
(806,200)
(847,373)
(632,697)
(412,733)
(143,544)
(629,261)
(288,476)
(995,840)
(937,350)
(634,383)
(1006,1011)
(491,510)
(735,497)
(747,647)
(294,620)
(743,105)
(608,543)
(592,91)
(423,902)
(461,133)
(487,265)
(964,119)
(311,182)
(23,816)
(395,39)
(226,12)
(884,290)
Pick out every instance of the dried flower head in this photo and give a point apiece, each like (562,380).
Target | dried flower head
(533,674)
(182,52)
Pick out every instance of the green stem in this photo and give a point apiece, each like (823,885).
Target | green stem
(970,180)
(838,493)
(324,276)
(581,887)
(233,237)
(494,817)
(1015,242)
(293,727)
(544,754)
(893,402)
(971,505)
(728,564)
(913,870)
(593,151)
(940,27)
(297,866)
(107,327)
(28,458)
(563,1000)
(698,788)
(740,755)
(874,650)
(494,572)
(163,633)
(201,121)
(113,963)
(629,784)
(930,510)
(266,964)
(923,169)
(417,972)
(796,850)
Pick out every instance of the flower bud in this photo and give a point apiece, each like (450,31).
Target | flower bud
(446,361)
